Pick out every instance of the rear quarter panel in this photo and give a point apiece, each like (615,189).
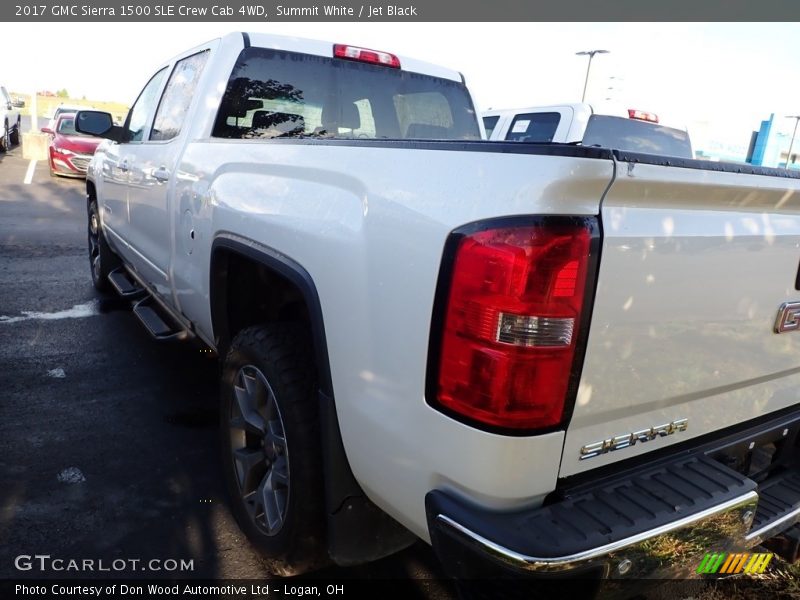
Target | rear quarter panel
(369,224)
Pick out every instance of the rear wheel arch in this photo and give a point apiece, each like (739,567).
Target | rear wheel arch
(14,137)
(290,295)
(265,320)
(91,192)
(357,530)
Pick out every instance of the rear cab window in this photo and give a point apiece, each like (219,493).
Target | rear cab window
(280,94)
(632,135)
(534,127)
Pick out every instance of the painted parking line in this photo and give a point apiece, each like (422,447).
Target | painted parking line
(29,172)
(78,311)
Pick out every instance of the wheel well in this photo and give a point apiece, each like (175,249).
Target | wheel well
(247,292)
(252,286)
(91,193)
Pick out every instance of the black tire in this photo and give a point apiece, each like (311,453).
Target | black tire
(5,139)
(102,259)
(14,135)
(278,354)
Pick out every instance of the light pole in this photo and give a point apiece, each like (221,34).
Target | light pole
(590,54)
(791,143)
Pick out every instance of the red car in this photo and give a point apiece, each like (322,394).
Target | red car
(70,151)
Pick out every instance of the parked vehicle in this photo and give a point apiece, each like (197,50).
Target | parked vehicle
(539,358)
(630,130)
(69,151)
(9,116)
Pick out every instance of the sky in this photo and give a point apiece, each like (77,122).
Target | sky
(719,80)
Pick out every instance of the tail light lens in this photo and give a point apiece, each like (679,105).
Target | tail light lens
(375,57)
(511,321)
(641,115)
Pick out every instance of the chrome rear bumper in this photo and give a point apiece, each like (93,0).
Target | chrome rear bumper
(673,549)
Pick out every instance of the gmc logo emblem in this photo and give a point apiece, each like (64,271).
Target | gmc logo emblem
(788,317)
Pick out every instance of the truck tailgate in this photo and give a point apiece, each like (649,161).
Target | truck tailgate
(695,265)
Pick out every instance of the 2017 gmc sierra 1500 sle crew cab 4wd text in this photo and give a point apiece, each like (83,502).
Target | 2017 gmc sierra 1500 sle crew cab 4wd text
(539,358)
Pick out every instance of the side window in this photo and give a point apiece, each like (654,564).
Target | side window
(144,107)
(534,127)
(489,123)
(178,96)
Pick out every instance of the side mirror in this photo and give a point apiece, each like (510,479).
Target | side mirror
(93,122)
(47,130)
(9,106)
(98,124)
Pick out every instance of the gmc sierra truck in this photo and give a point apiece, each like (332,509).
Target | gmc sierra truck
(539,358)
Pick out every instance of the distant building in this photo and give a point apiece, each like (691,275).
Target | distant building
(714,142)
(719,151)
(770,147)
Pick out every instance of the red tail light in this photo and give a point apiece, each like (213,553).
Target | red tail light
(511,322)
(375,57)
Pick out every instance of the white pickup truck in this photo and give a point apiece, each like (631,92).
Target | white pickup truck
(540,358)
(631,130)
(10,119)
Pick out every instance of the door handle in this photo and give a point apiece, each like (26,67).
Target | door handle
(123,165)
(161,174)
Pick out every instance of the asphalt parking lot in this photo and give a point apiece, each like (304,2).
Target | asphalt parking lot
(108,445)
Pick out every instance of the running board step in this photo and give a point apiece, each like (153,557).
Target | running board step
(158,323)
(125,285)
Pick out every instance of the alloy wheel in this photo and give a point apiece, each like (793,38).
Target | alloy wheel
(258,450)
